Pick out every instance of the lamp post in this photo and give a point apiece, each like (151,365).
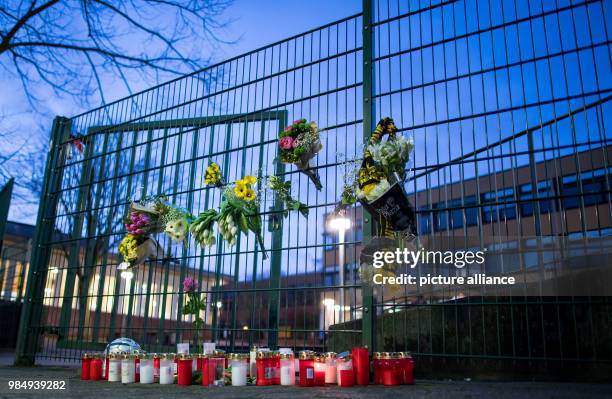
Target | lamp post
(341,225)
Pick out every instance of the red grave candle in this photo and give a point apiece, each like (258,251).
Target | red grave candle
(266,370)
(391,369)
(95,368)
(85,366)
(378,367)
(407,368)
(307,375)
(208,372)
(361,366)
(184,369)
(275,363)
(319,371)
(105,371)
(344,366)
(137,368)
(156,364)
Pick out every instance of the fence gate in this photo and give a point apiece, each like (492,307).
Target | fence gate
(506,103)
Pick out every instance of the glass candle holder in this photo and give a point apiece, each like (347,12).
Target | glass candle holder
(95,367)
(208,373)
(127,368)
(287,369)
(166,367)
(361,365)
(345,375)
(307,369)
(114,367)
(136,355)
(239,362)
(253,361)
(330,368)
(276,366)
(390,374)
(266,371)
(378,368)
(407,368)
(319,370)
(184,369)
(105,361)
(218,362)
(156,365)
(85,365)
(174,363)
(147,375)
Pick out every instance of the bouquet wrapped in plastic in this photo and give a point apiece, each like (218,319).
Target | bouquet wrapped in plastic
(299,143)
(145,218)
(379,181)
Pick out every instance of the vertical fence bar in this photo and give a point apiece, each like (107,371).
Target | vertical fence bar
(369,310)
(30,321)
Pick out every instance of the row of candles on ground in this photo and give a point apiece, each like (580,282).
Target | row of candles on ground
(269,368)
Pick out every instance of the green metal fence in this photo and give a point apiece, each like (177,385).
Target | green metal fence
(507,104)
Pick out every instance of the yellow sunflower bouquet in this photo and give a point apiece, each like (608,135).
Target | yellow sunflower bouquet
(239,211)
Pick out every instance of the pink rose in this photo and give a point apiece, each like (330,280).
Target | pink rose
(288,129)
(286,143)
(295,144)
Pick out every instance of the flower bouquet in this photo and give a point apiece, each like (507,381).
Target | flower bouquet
(138,245)
(378,184)
(149,216)
(298,144)
(239,211)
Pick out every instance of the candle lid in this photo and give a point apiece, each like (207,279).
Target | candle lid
(126,356)
(169,356)
(344,358)
(286,356)
(266,355)
(218,353)
(156,356)
(239,356)
(319,357)
(307,355)
(331,355)
(254,348)
(185,356)
(85,355)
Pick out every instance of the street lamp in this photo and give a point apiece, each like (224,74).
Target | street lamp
(341,225)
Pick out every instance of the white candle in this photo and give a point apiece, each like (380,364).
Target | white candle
(239,374)
(287,369)
(166,376)
(253,362)
(127,371)
(146,373)
(114,370)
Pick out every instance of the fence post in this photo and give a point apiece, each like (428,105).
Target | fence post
(368,301)
(29,323)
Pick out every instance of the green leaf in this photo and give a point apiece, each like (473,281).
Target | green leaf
(243,223)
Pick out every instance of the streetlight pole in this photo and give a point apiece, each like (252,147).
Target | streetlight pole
(341,232)
(341,225)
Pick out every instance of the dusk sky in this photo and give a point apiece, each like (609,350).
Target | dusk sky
(252,25)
